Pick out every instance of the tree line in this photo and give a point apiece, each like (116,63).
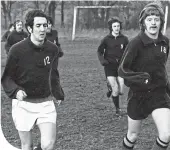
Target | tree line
(62,12)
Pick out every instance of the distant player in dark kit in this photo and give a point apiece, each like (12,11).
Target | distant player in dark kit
(31,80)
(16,35)
(109,53)
(52,35)
(6,34)
(143,67)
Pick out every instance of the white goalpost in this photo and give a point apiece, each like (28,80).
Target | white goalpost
(105,7)
(166,20)
(87,7)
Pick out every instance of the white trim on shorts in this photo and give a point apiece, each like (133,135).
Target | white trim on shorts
(25,114)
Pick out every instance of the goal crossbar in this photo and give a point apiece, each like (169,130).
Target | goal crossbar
(105,7)
(99,6)
(85,7)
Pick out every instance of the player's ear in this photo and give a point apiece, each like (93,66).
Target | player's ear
(29,29)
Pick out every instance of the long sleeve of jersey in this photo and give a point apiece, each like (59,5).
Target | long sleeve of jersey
(8,78)
(131,77)
(55,81)
(5,36)
(8,44)
(57,41)
(100,53)
(61,53)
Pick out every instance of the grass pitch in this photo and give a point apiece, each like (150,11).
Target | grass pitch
(86,119)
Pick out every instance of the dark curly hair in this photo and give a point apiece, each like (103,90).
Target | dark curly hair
(10,26)
(49,19)
(29,19)
(113,20)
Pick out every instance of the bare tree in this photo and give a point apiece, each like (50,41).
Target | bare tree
(36,3)
(47,6)
(6,9)
(78,13)
(62,14)
(51,9)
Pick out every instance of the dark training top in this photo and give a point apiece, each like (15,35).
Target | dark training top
(14,37)
(5,36)
(53,37)
(143,65)
(111,49)
(28,69)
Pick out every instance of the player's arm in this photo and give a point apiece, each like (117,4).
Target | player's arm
(4,37)
(56,88)
(61,53)
(125,71)
(126,42)
(9,43)
(8,78)
(100,53)
(168,82)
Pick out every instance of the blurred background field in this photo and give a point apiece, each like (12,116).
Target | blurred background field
(86,119)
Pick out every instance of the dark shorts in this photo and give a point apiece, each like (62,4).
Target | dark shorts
(111,70)
(141,104)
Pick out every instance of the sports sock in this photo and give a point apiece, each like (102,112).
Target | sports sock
(160,145)
(127,144)
(116,101)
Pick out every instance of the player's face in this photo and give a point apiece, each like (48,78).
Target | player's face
(116,27)
(19,26)
(49,27)
(39,28)
(152,24)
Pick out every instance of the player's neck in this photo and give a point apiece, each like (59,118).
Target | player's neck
(37,43)
(152,36)
(115,34)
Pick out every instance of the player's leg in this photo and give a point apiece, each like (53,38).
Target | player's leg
(26,140)
(132,134)
(47,124)
(114,85)
(48,135)
(115,91)
(109,92)
(110,72)
(24,121)
(161,117)
(121,85)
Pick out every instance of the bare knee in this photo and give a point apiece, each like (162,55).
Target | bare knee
(47,145)
(115,90)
